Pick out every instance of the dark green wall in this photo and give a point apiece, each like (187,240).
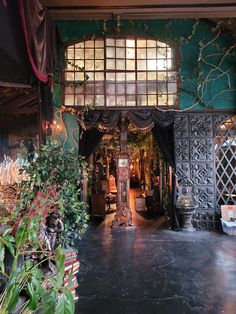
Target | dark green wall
(68,132)
(187,35)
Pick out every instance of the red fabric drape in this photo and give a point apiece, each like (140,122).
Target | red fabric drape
(39,32)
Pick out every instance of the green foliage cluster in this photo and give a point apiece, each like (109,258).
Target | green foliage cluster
(22,276)
(65,170)
(139,140)
(53,184)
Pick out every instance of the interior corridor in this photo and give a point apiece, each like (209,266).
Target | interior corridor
(141,219)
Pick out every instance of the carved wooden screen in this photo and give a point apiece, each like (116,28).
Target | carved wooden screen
(225,159)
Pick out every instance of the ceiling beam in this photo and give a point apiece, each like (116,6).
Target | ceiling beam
(16,85)
(100,3)
(144,13)
(136,9)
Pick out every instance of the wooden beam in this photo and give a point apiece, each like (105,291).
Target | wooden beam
(13,84)
(100,3)
(20,111)
(144,13)
(19,101)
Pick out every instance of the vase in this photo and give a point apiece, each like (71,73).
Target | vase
(185,215)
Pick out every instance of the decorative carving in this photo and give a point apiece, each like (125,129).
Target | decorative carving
(181,126)
(123,218)
(185,214)
(218,121)
(206,220)
(182,149)
(200,157)
(201,149)
(123,215)
(201,125)
(202,174)
(183,173)
(205,197)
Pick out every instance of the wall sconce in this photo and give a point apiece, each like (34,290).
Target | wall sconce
(56,126)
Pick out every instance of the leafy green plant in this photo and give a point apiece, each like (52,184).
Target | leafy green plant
(22,276)
(65,171)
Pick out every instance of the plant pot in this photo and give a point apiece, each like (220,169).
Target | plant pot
(185,214)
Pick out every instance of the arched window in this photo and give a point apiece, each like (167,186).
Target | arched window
(123,72)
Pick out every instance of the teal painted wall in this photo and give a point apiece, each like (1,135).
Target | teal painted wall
(187,35)
(68,132)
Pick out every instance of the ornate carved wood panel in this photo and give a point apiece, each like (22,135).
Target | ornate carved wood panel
(208,166)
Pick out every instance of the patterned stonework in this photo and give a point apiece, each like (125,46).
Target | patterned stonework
(183,173)
(204,197)
(202,174)
(195,155)
(201,149)
(181,126)
(201,125)
(182,149)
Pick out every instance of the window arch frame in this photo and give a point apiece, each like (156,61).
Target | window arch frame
(175,69)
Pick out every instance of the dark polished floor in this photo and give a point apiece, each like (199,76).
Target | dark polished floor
(151,270)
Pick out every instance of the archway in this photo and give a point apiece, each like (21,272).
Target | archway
(161,124)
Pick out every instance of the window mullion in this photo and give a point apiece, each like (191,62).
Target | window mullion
(105,72)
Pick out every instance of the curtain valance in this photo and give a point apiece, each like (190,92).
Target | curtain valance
(107,120)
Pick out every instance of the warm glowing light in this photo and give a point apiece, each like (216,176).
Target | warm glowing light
(54,122)
(137,159)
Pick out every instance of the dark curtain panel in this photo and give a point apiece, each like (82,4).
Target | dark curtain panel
(164,137)
(141,119)
(145,119)
(103,120)
(89,141)
(40,38)
(45,110)
(14,63)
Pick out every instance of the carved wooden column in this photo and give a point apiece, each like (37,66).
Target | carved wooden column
(123,216)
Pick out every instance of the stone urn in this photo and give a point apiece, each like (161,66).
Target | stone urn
(185,207)
(185,215)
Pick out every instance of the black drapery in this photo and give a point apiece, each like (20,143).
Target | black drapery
(160,122)
(106,120)
(164,137)
(89,141)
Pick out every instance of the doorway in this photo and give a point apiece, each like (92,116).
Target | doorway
(150,178)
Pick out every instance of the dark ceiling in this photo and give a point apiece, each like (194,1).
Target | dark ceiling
(17,103)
